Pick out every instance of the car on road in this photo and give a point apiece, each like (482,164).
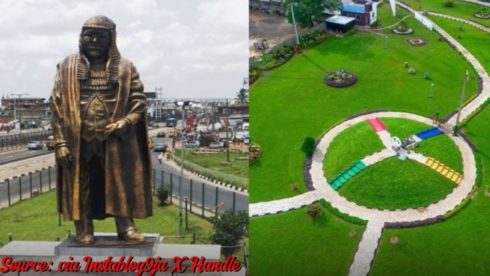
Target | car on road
(160,147)
(191,144)
(35,145)
(161,134)
(217,145)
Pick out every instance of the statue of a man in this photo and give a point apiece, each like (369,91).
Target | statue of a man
(101,142)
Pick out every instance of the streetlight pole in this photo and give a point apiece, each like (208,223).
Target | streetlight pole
(294,25)
(461,102)
(18,95)
(430,90)
(184,104)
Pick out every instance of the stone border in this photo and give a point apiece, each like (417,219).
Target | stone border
(406,32)
(476,14)
(335,84)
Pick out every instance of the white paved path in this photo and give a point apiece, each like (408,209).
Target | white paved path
(282,205)
(367,248)
(477,2)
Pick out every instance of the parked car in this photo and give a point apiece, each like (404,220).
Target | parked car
(160,147)
(35,145)
(50,142)
(192,144)
(161,134)
(216,145)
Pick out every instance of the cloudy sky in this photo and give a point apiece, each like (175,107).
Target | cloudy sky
(190,48)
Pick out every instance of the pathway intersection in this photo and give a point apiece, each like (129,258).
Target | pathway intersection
(377,219)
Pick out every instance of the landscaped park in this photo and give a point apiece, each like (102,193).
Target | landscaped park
(400,194)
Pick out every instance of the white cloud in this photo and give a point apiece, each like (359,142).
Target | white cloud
(191,48)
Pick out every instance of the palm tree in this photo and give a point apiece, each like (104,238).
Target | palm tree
(242,96)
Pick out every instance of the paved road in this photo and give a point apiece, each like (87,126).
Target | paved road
(11,156)
(171,178)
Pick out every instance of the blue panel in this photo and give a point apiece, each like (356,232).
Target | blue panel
(426,134)
(354,8)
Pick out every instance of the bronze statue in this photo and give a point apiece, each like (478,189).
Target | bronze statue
(99,123)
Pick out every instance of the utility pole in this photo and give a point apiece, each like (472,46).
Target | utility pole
(18,95)
(184,104)
(461,102)
(294,25)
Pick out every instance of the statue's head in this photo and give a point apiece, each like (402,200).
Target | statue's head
(98,43)
(96,37)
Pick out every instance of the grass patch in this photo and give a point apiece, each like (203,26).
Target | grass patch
(459,9)
(287,243)
(396,184)
(291,103)
(350,145)
(473,39)
(216,161)
(37,219)
(215,166)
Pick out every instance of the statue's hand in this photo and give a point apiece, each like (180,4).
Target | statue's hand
(118,127)
(63,157)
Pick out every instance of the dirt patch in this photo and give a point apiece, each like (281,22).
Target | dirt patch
(272,28)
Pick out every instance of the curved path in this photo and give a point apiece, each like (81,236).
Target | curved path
(392,216)
(477,2)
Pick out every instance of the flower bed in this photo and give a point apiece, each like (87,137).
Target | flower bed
(311,39)
(340,78)
(402,29)
(276,58)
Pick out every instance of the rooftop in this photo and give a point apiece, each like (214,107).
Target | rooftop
(339,19)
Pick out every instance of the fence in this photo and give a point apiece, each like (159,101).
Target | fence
(27,186)
(202,198)
(20,140)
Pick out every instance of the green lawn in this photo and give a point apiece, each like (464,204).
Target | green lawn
(217,161)
(292,244)
(458,246)
(461,9)
(396,184)
(291,104)
(37,219)
(473,39)
(350,145)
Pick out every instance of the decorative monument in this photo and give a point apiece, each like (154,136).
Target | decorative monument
(101,139)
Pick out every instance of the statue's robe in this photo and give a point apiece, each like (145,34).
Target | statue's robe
(127,169)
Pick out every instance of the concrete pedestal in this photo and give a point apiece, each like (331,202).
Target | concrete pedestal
(107,244)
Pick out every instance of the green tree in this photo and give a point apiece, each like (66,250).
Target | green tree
(229,228)
(242,96)
(333,5)
(305,11)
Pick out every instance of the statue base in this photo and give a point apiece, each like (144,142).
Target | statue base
(107,244)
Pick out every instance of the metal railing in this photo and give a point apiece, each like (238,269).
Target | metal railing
(20,140)
(202,198)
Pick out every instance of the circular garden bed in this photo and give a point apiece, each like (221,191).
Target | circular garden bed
(482,15)
(402,29)
(340,78)
(392,183)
